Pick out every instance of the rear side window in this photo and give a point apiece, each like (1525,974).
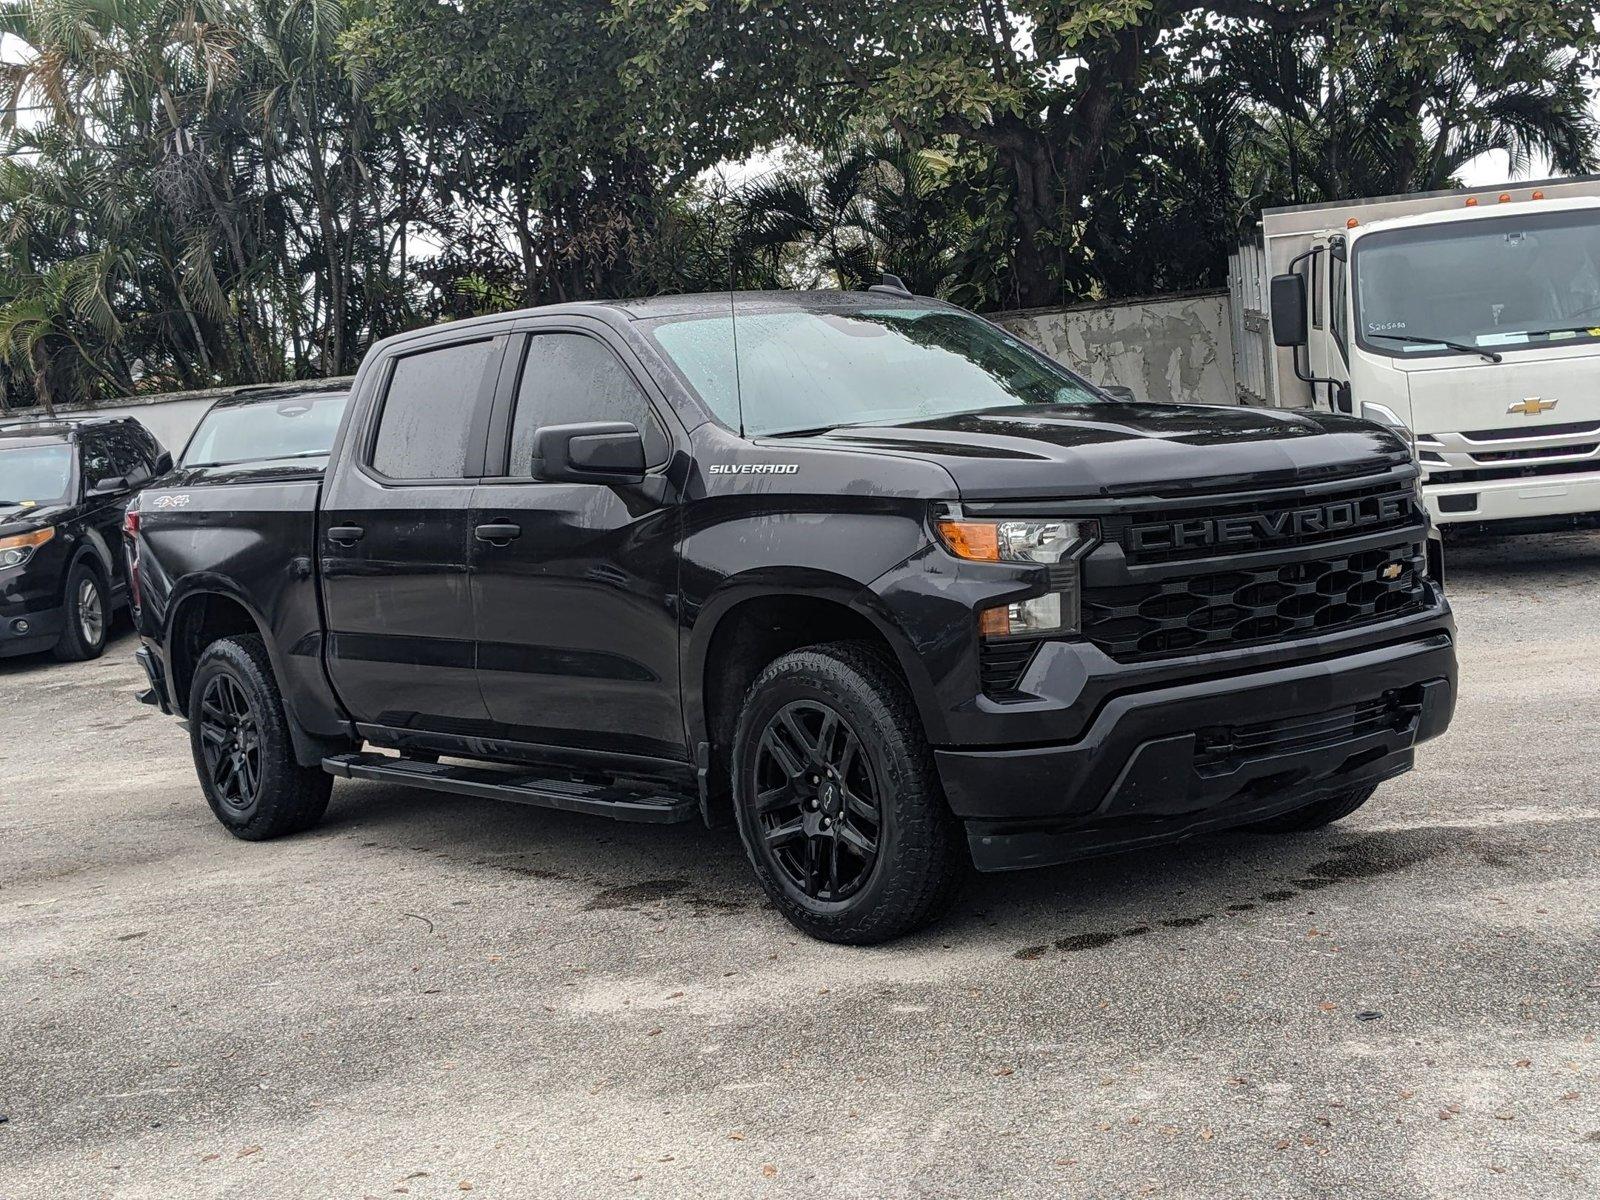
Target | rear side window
(569,378)
(425,428)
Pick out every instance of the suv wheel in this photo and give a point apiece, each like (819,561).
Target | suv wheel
(87,614)
(838,803)
(1318,813)
(242,750)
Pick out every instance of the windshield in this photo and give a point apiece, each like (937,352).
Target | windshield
(1502,284)
(298,427)
(35,475)
(818,370)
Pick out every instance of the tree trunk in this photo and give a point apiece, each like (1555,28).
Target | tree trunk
(39,360)
(1035,210)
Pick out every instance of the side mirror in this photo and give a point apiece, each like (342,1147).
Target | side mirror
(1117,392)
(1288,304)
(110,486)
(594,452)
(164,462)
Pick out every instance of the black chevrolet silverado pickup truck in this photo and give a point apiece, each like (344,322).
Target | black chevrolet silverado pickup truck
(862,572)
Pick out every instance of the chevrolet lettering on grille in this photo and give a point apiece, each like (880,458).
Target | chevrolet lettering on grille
(1269,527)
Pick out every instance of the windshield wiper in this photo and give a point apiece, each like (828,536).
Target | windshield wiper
(241,462)
(1584,328)
(1460,347)
(801,432)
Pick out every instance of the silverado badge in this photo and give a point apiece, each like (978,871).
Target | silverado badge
(1532,406)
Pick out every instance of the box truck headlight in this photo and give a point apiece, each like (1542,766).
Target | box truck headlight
(1384,415)
(1055,544)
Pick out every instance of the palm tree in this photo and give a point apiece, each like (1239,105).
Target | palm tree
(875,206)
(1380,119)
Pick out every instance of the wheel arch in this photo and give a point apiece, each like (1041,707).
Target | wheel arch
(92,548)
(749,623)
(207,610)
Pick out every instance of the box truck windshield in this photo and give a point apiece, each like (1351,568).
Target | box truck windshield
(1500,284)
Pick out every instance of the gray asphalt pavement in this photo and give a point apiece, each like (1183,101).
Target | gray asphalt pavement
(429,996)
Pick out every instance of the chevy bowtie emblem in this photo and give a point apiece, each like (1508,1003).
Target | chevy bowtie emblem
(1391,571)
(1532,406)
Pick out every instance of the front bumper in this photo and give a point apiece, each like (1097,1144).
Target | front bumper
(1537,502)
(1169,762)
(29,631)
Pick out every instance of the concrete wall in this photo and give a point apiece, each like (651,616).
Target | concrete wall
(1166,348)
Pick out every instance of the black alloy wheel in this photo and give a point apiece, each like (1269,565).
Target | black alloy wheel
(837,797)
(817,801)
(230,738)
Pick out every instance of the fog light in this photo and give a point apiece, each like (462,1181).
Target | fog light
(20,626)
(1053,612)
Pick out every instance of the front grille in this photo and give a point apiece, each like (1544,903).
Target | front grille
(1223,609)
(1526,431)
(1227,745)
(1492,456)
(1176,532)
(1528,471)
(1000,667)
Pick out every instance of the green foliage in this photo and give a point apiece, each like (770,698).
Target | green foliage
(203,191)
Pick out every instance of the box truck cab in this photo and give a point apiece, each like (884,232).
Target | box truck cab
(1469,320)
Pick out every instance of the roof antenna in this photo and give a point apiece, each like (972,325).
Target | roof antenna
(892,285)
(733,326)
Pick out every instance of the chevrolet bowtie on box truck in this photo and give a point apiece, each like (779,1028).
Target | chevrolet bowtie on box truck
(1469,321)
(891,590)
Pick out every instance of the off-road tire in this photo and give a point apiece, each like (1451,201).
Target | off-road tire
(75,645)
(1318,813)
(921,858)
(287,798)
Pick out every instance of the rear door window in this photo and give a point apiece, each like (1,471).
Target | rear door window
(425,428)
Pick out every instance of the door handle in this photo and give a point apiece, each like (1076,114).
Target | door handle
(346,535)
(498,534)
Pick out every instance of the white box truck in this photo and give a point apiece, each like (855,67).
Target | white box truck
(1470,319)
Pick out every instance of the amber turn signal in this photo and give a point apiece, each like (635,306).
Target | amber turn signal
(995,622)
(27,540)
(977,540)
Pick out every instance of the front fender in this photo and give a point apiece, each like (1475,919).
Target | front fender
(800,584)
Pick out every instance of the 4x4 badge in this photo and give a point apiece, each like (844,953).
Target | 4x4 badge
(1532,406)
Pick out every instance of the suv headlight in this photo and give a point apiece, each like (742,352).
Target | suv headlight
(15,551)
(1055,544)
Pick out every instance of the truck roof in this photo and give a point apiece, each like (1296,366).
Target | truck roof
(1478,212)
(273,393)
(1443,193)
(692,303)
(1301,219)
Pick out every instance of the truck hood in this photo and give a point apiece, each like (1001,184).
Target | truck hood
(1133,449)
(1467,393)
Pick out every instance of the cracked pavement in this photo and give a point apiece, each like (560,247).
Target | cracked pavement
(432,995)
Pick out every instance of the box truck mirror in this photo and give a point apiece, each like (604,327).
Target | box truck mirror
(1289,310)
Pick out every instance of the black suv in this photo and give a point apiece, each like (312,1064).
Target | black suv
(64,486)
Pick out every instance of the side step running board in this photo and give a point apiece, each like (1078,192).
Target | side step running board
(618,803)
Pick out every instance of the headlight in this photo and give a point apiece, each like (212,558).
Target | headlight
(1384,415)
(14,551)
(1052,544)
